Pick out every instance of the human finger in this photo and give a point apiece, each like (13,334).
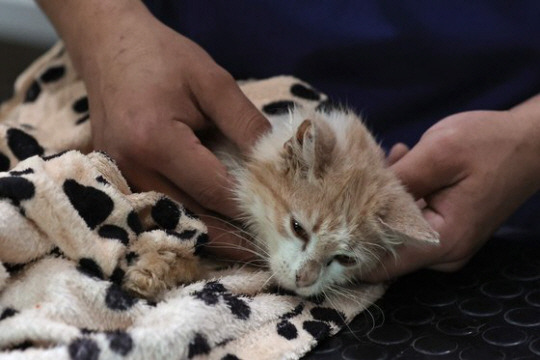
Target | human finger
(396,152)
(422,173)
(232,112)
(183,160)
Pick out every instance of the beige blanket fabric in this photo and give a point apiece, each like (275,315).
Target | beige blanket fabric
(72,234)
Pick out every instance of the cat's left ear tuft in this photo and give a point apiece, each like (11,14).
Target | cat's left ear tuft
(311,147)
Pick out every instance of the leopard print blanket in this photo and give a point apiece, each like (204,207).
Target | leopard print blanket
(72,235)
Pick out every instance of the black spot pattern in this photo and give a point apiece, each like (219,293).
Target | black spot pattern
(151,303)
(21,172)
(16,189)
(198,346)
(230,357)
(238,306)
(328,106)
(100,179)
(210,293)
(287,329)
(54,156)
(114,232)
(131,257)
(33,92)
(120,342)
(318,329)
(277,290)
(4,162)
(56,252)
(304,92)
(82,119)
(190,214)
(134,222)
(93,205)
(54,73)
(12,269)
(202,240)
(83,349)
(117,299)
(294,312)
(215,286)
(166,213)
(184,235)
(317,299)
(81,105)
(89,267)
(107,156)
(279,107)
(8,312)
(328,314)
(117,276)
(23,145)
(22,346)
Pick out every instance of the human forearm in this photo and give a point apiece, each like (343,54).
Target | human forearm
(94,29)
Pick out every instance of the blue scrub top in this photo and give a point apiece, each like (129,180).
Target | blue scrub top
(403,64)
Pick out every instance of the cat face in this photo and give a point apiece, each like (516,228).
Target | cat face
(321,202)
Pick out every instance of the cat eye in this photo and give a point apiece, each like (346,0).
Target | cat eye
(299,230)
(345,260)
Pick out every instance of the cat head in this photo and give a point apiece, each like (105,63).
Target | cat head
(321,202)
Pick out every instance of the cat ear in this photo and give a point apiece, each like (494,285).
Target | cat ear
(403,221)
(311,147)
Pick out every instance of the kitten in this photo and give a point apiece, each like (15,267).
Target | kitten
(320,200)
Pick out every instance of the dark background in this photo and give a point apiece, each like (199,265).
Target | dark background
(14,59)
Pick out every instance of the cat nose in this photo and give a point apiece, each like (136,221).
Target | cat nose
(308,274)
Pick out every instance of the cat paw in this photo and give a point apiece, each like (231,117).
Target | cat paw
(161,265)
(144,283)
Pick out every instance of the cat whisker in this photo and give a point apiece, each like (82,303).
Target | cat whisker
(267,280)
(227,222)
(263,253)
(383,248)
(380,311)
(351,296)
(239,233)
(343,292)
(260,263)
(258,247)
(238,247)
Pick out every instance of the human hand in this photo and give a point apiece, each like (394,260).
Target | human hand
(472,170)
(151,93)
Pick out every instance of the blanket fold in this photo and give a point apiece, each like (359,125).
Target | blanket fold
(90,270)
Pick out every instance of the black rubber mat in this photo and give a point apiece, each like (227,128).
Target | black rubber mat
(489,310)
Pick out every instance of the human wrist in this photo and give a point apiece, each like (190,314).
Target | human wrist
(527,117)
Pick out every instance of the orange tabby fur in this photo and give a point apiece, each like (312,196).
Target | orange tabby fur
(322,175)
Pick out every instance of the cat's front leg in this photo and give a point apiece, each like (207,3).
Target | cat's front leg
(165,253)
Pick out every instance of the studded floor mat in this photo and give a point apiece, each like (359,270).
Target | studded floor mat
(490,310)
